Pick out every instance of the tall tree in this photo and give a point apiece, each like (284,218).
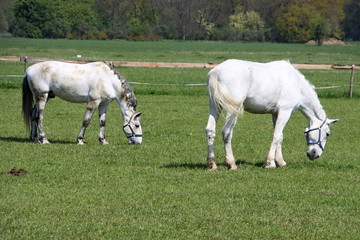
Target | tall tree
(296,24)
(81,17)
(351,24)
(303,20)
(39,19)
(6,15)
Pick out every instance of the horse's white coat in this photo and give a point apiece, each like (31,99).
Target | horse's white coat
(276,88)
(95,83)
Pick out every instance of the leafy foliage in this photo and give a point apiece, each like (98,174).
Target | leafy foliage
(295,24)
(351,24)
(38,19)
(281,20)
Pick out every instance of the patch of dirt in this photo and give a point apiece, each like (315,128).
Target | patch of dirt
(15,172)
(330,41)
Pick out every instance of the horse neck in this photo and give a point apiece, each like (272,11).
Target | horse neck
(311,107)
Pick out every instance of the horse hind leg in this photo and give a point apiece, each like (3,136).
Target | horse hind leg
(227,132)
(210,138)
(40,106)
(34,124)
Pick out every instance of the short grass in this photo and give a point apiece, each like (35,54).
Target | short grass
(179,51)
(162,188)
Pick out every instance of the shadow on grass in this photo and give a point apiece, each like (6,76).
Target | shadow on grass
(204,165)
(186,165)
(13,139)
(26,140)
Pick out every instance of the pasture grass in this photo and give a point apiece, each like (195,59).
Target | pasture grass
(178,51)
(162,188)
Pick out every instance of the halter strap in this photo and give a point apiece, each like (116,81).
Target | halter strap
(132,134)
(318,142)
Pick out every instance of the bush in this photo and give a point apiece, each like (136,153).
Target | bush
(144,37)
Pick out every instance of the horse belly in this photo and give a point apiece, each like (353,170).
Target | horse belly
(71,94)
(256,105)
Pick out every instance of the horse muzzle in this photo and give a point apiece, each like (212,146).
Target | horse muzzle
(314,154)
(135,140)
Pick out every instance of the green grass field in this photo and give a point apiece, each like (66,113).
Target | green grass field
(162,188)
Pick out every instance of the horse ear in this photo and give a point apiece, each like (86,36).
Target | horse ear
(137,115)
(331,121)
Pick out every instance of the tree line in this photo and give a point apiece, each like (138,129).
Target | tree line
(229,20)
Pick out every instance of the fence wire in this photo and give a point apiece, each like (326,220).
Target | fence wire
(189,84)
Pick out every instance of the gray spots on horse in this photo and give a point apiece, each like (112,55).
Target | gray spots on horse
(45,68)
(102,123)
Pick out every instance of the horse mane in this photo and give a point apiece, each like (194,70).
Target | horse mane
(128,91)
(309,89)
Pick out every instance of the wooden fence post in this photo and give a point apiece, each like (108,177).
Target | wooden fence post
(24,59)
(351,81)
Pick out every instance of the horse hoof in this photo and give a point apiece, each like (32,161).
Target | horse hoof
(270,167)
(232,167)
(80,142)
(41,141)
(212,166)
(103,141)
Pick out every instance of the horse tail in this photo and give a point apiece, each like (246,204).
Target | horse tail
(27,102)
(221,96)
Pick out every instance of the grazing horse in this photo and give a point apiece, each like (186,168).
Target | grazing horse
(96,83)
(276,88)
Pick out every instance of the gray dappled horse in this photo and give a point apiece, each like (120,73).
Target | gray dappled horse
(96,83)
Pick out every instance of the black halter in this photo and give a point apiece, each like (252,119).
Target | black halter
(132,134)
(318,142)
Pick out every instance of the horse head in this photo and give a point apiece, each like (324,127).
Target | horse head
(316,136)
(132,124)
(132,129)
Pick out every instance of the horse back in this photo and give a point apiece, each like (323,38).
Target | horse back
(266,87)
(72,82)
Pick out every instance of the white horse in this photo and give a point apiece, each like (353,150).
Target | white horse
(276,88)
(96,83)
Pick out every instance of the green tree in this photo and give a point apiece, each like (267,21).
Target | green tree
(321,31)
(351,24)
(331,13)
(246,21)
(112,16)
(81,18)
(6,15)
(296,25)
(38,19)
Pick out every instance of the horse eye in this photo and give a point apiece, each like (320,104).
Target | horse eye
(327,134)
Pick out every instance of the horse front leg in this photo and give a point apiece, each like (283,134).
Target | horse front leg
(275,152)
(210,138)
(227,132)
(102,121)
(90,109)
